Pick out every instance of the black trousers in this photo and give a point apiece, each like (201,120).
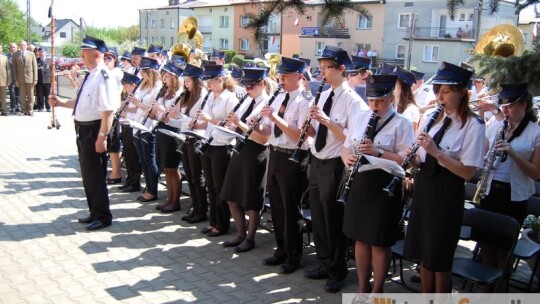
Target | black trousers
(131,158)
(284,183)
(327,214)
(93,170)
(43,91)
(214,163)
(194,175)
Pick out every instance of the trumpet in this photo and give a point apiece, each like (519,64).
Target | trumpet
(487,172)
(191,125)
(201,146)
(240,143)
(345,185)
(305,126)
(407,160)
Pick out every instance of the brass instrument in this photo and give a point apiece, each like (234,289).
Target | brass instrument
(273,60)
(240,143)
(305,126)
(492,157)
(407,161)
(348,176)
(189,37)
(502,40)
(201,145)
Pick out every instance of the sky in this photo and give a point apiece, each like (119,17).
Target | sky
(97,13)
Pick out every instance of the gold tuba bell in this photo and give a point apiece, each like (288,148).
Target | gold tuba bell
(502,40)
(273,60)
(189,37)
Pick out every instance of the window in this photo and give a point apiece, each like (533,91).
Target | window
(244,44)
(462,17)
(400,51)
(172,41)
(63,35)
(153,39)
(471,16)
(244,20)
(360,47)
(364,22)
(320,48)
(162,40)
(153,23)
(162,21)
(173,23)
(431,53)
(146,23)
(224,21)
(223,43)
(404,21)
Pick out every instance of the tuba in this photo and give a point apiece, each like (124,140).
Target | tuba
(502,40)
(189,37)
(273,60)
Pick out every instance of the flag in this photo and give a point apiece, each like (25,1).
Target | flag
(535,29)
(296,21)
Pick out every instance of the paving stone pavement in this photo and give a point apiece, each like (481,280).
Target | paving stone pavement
(144,257)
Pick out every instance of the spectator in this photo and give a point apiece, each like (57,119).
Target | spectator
(43,86)
(459,32)
(5,79)
(26,76)
(12,87)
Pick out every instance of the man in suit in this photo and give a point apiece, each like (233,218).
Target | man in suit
(43,86)
(26,76)
(13,89)
(5,80)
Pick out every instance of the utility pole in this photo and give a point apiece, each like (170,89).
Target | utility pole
(28,23)
(478,20)
(411,38)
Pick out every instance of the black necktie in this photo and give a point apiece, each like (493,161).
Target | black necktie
(277,130)
(136,71)
(320,141)
(79,94)
(430,164)
(248,111)
(372,132)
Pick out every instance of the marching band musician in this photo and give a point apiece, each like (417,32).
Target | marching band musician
(283,121)
(136,56)
(244,183)
(403,96)
(358,75)
(371,215)
(423,93)
(166,146)
(195,91)
(514,175)
(145,145)
(216,157)
(125,59)
(131,159)
(331,116)
(449,154)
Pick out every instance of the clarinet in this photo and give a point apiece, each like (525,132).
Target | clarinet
(118,112)
(146,114)
(193,122)
(346,181)
(240,143)
(305,126)
(162,118)
(201,146)
(407,160)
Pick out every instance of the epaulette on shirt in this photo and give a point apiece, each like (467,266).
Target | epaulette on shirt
(105,75)
(307,95)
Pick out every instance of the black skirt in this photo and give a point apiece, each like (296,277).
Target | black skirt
(245,178)
(371,216)
(435,221)
(166,146)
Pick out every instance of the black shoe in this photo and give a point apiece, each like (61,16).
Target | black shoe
(96,225)
(112,181)
(168,210)
(415,278)
(274,261)
(288,268)
(205,230)
(334,284)
(186,217)
(317,273)
(233,243)
(123,187)
(86,220)
(161,206)
(197,218)
(246,245)
(213,233)
(131,188)
(144,200)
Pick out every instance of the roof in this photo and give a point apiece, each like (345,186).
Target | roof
(60,23)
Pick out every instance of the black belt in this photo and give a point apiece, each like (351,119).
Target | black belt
(88,123)
(500,185)
(326,161)
(285,151)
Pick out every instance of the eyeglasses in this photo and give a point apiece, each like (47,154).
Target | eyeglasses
(324,68)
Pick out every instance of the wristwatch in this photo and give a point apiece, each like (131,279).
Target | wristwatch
(381,152)
(496,111)
(103,134)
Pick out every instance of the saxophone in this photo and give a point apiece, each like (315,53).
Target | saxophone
(492,158)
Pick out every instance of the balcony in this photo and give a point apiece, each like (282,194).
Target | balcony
(444,33)
(325,32)
(205,29)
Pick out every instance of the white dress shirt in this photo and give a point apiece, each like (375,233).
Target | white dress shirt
(147,96)
(218,108)
(99,94)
